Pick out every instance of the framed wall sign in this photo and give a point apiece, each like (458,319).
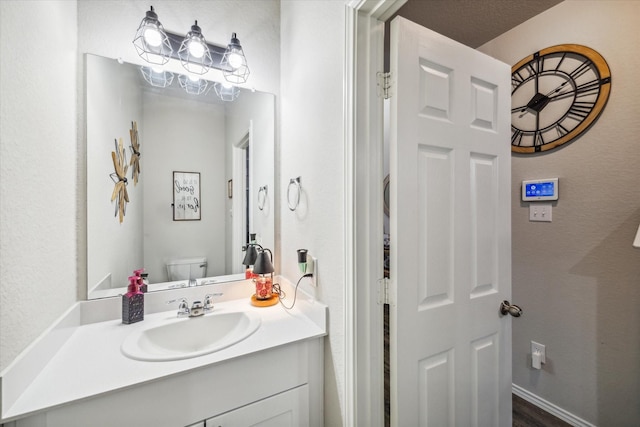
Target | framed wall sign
(186,196)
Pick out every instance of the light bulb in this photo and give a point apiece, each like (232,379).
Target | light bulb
(235,60)
(152,36)
(196,49)
(157,70)
(227,85)
(193,78)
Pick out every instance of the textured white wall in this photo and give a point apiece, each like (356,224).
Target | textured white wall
(38,175)
(312,146)
(578,278)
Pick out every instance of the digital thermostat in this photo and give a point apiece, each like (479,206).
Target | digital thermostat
(540,189)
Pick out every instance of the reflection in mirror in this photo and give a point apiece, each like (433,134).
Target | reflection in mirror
(229,144)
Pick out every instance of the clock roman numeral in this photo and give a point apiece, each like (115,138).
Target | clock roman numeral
(561,130)
(539,62)
(516,136)
(580,110)
(538,139)
(583,68)
(516,79)
(589,88)
(564,55)
(532,70)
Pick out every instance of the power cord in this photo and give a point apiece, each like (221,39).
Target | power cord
(281,294)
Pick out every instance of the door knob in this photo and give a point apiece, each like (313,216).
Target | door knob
(507,308)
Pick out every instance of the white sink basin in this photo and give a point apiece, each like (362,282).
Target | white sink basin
(190,337)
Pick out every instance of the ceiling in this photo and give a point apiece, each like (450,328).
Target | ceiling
(470,22)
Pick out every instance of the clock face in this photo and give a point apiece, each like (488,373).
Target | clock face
(556,94)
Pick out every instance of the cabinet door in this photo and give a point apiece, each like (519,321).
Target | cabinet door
(290,408)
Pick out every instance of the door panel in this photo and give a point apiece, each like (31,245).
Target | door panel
(450,232)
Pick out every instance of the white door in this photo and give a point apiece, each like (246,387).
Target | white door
(450,232)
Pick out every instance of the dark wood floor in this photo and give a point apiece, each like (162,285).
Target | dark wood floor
(527,415)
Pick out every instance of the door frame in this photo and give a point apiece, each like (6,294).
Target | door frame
(364,56)
(238,203)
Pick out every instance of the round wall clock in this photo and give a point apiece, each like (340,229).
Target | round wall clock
(556,94)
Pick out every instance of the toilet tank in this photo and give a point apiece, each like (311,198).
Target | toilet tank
(187,268)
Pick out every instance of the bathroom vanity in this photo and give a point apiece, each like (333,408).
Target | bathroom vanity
(77,375)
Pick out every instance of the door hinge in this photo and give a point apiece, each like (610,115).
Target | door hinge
(383,291)
(384,85)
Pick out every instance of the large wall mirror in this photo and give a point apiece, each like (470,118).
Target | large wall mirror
(228,145)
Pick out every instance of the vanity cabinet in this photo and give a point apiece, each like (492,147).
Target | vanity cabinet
(280,386)
(287,409)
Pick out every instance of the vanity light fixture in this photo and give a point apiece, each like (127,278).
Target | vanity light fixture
(226,91)
(236,70)
(194,52)
(151,41)
(156,45)
(156,76)
(193,85)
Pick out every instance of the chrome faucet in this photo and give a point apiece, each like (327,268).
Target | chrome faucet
(208,301)
(183,307)
(197,308)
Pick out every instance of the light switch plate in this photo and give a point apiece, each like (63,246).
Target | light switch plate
(540,212)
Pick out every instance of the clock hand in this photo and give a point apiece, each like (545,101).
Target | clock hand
(556,89)
(562,95)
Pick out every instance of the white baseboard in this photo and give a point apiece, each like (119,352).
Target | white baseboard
(554,410)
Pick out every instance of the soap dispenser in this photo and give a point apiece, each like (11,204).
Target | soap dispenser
(143,279)
(133,302)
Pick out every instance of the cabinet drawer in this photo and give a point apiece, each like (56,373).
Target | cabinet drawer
(287,409)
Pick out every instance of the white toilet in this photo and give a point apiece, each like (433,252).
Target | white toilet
(187,268)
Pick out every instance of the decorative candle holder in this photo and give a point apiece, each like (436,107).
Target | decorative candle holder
(263,267)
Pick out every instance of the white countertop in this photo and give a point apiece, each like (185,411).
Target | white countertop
(90,362)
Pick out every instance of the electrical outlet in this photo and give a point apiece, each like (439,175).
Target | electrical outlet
(312,267)
(538,348)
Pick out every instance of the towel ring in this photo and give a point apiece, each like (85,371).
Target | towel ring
(261,201)
(294,182)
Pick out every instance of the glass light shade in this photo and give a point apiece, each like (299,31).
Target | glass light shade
(194,52)
(234,63)
(263,263)
(226,92)
(151,41)
(193,85)
(152,36)
(157,77)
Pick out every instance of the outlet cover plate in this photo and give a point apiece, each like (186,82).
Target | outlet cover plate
(537,347)
(313,261)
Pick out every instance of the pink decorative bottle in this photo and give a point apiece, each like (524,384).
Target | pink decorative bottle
(132,302)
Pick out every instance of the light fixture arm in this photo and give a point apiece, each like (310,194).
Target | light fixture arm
(217,52)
